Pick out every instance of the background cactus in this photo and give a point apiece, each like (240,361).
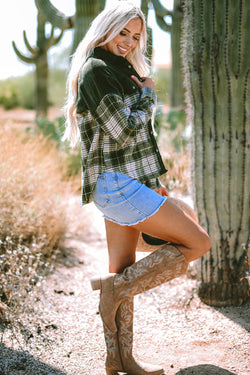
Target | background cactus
(86,11)
(217,69)
(174,28)
(38,56)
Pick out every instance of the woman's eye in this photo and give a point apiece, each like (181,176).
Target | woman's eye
(122,33)
(137,39)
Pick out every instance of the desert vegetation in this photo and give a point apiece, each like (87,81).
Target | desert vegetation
(32,204)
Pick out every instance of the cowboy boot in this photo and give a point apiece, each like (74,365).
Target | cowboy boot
(161,266)
(124,322)
(113,362)
(119,345)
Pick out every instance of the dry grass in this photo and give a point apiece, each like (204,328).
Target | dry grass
(178,178)
(31,211)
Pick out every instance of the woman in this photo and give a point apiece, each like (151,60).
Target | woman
(110,103)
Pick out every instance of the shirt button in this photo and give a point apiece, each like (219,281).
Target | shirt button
(134,87)
(129,66)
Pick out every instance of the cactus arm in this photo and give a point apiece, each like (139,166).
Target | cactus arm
(52,40)
(101,5)
(54,16)
(160,10)
(26,59)
(57,39)
(163,25)
(160,13)
(32,50)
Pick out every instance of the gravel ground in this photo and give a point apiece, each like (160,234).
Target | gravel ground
(61,330)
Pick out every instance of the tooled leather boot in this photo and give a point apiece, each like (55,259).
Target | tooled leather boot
(161,266)
(119,345)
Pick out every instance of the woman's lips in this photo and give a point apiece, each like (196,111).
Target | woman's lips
(122,50)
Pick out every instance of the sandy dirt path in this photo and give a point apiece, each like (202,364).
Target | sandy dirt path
(62,333)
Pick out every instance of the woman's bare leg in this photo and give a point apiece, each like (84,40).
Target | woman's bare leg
(172,224)
(121,241)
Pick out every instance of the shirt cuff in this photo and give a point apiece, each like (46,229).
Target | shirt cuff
(153,183)
(148,92)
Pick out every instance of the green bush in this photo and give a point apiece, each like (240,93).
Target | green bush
(177,120)
(53,131)
(26,90)
(8,95)
(162,84)
(57,87)
(20,91)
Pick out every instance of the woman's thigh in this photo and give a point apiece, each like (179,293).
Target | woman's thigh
(172,224)
(121,242)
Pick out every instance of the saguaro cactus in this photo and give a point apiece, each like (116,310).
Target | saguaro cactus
(217,69)
(39,58)
(86,11)
(174,28)
(145,9)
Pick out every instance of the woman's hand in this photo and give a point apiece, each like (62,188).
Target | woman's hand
(146,82)
(162,191)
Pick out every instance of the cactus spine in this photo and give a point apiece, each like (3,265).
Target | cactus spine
(217,69)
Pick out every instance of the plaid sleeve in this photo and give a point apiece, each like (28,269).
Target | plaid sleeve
(153,183)
(120,121)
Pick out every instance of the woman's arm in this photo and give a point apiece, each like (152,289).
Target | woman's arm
(104,99)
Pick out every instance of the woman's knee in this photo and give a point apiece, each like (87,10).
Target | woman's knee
(119,263)
(203,244)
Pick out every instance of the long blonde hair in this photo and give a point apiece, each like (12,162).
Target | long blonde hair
(103,29)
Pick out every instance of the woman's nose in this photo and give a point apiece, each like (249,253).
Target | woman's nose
(128,40)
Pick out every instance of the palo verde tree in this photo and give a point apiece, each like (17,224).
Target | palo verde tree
(217,70)
(174,28)
(38,56)
(85,12)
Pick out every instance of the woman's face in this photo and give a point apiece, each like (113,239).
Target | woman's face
(127,39)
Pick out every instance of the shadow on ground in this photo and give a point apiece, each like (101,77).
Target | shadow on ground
(204,370)
(239,314)
(14,362)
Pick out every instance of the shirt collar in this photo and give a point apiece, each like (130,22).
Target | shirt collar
(108,56)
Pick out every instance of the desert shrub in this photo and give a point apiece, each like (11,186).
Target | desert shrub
(162,84)
(175,145)
(26,90)
(8,95)
(53,130)
(178,178)
(176,118)
(31,213)
(57,87)
(18,91)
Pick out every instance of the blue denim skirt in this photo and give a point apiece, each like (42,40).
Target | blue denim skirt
(124,200)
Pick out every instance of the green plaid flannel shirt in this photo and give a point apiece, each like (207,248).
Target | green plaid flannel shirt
(114,119)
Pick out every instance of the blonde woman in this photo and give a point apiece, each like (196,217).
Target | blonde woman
(110,104)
